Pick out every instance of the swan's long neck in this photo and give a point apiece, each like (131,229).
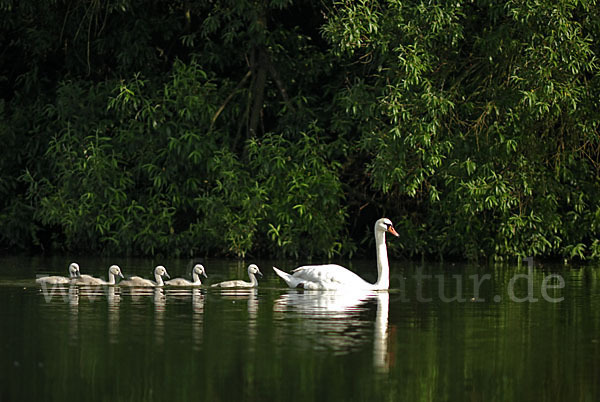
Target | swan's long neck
(253,279)
(111,278)
(195,277)
(383,268)
(159,280)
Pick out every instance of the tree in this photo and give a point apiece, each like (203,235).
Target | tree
(286,128)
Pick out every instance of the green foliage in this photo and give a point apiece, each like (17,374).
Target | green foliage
(286,128)
(478,117)
(305,212)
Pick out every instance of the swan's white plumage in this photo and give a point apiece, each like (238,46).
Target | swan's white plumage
(60,280)
(136,281)
(196,272)
(336,277)
(252,272)
(88,280)
(327,277)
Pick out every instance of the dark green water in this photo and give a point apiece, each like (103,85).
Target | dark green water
(443,332)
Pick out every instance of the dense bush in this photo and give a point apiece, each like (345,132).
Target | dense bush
(286,128)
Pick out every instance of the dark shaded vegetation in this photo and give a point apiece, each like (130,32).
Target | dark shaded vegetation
(286,128)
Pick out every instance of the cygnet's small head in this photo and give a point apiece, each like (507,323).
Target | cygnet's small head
(385,225)
(253,269)
(199,269)
(116,271)
(74,270)
(161,271)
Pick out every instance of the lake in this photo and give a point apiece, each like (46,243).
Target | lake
(443,332)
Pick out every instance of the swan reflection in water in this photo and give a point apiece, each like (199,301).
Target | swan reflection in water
(73,313)
(91,294)
(138,296)
(113,299)
(160,304)
(250,295)
(197,318)
(336,320)
(196,295)
(381,359)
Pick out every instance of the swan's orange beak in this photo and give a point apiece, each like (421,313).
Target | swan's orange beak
(393,231)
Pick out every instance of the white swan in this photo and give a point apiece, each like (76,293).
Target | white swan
(196,272)
(59,280)
(113,272)
(335,277)
(252,271)
(136,281)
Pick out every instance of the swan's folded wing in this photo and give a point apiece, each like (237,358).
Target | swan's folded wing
(178,282)
(328,276)
(87,280)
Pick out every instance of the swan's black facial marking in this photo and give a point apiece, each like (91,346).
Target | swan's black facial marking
(387,226)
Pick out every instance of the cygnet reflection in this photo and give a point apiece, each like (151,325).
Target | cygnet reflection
(113,299)
(160,303)
(73,299)
(197,318)
(250,296)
